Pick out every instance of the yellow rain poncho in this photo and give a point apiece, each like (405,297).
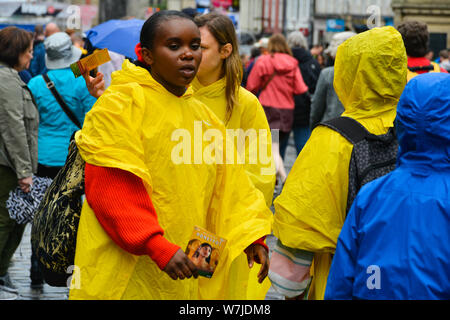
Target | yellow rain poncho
(369,77)
(249,116)
(138,126)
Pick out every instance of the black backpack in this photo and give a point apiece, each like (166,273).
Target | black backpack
(55,223)
(372,157)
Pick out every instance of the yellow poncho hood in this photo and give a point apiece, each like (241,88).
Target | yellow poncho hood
(138,126)
(370,74)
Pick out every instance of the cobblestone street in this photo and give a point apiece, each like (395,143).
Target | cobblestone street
(20,264)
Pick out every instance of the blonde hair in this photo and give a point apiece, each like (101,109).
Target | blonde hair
(278,44)
(222,29)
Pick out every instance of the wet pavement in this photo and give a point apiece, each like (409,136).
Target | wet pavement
(20,264)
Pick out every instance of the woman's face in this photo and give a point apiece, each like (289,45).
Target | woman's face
(205,251)
(176,54)
(24,59)
(212,60)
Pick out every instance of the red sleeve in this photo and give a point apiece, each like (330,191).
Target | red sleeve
(125,211)
(261,242)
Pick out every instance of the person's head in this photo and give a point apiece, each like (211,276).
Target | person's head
(336,41)
(39,32)
(170,42)
(50,29)
(296,39)
(443,55)
(16,48)
(204,251)
(220,54)
(278,44)
(77,40)
(423,122)
(370,72)
(60,53)
(255,52)
(190,12)
(415,37)
(263,44)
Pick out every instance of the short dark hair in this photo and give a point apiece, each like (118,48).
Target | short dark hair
(13,42)
(150,27)
(444,53)
(415,37)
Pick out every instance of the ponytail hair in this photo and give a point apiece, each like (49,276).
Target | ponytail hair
(222,29)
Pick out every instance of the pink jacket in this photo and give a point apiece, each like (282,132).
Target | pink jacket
(286,83)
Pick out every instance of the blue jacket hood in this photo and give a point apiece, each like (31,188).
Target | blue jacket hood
(423,119)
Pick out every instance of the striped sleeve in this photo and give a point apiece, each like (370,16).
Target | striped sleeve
(290,270)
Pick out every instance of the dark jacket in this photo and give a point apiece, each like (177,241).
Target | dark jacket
(310,70)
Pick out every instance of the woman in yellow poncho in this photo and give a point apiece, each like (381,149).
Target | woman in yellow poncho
(370,74)
(217,85)
(148,125)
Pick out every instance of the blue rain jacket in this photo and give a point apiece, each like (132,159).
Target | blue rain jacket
(395,242)
(55,127)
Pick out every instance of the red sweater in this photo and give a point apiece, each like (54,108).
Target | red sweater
(124,210)
(126,213)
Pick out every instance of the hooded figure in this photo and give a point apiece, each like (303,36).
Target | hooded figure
(370,75)
(394,243)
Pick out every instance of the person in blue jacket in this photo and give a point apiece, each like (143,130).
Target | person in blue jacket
(55,127)
(395,241)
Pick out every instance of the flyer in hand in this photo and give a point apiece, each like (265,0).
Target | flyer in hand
(204,249)
(91,62)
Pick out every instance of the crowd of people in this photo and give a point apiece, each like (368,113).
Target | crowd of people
(141,206)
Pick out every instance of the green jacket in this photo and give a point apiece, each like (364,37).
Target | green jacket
(19,122)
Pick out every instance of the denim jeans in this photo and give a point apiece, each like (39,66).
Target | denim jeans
(301,135)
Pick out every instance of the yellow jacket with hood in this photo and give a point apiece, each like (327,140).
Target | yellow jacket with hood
(138,126)
(370,74)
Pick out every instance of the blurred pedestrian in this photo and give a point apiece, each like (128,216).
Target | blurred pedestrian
(325,103)
(255,52)
(310,70)
(416,38)
(444,60)
(137,183)
(55,127)
(19,120)
(309,214)
(51,28)
(37,65)
(394,242)
(276,78)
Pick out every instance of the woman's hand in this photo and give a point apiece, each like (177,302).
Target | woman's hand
(180,267)
(96,86)
(257,253)
(25,184)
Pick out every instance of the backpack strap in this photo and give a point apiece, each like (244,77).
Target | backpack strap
(60,101)
(349,128)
